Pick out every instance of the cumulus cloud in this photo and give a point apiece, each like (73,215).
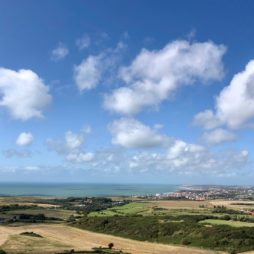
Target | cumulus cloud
(234,106)
(83,42)
(130,133)
(88,74)
(218,136)
(155,75)
(80,157)
(24,139)
(184,158)
(180,147)
(75,140)
(71,147)
(175,154)
(60,52)
(23,93)
(206,119)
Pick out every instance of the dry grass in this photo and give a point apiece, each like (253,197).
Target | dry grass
(233,204)
(29,244)
(26,201)
(60,235)
(180,204)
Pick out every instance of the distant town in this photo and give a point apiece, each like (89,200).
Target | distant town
(208,192)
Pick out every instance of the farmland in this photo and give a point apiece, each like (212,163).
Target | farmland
(135,226)
(60,237)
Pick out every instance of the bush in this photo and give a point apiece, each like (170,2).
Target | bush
(30,234)
(185,241)
(110,245)
(232,251)
(226,217)
(2,251)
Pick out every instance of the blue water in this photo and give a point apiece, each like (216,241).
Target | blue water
(82,189)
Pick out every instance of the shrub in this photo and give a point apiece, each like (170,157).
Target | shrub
(29,234)
(185,241)
(110,245)
(232,251)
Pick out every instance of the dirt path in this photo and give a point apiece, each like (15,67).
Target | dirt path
(81,239)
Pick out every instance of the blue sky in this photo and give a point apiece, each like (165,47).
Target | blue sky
(124,91)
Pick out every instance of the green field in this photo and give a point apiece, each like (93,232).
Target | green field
(133,208)
(180,222)
(151,208)
(231,223)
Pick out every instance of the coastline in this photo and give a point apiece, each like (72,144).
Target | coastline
(51,190)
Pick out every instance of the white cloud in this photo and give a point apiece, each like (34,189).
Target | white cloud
(80,157)
(60,52)
(131,133)
(75,140)
(155,75)
(24,139)
(89,72)
(206,119)
(71,146)
(180,147)
(191,159)
(175,155)
(83,42)
(23,93)
(218,136)
(234,106)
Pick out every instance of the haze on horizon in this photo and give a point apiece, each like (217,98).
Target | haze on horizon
(127,91)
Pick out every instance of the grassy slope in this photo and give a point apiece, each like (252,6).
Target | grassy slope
(129,209)
(236,224)
(28,244)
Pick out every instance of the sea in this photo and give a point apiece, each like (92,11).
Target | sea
(83,189)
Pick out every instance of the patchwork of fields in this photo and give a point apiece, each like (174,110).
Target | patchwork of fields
(166,217)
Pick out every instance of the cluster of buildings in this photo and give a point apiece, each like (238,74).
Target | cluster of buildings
(200,193)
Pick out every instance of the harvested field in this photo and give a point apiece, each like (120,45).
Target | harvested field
(39,201)
(237,205)
(180,204)
(62,236)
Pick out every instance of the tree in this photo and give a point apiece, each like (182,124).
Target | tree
(110,245)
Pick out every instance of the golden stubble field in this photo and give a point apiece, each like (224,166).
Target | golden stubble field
(26,201)
(65,237)
(232,204)
(180,204)
(188,204)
